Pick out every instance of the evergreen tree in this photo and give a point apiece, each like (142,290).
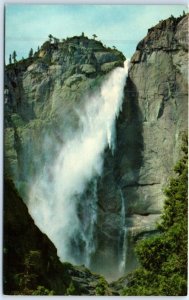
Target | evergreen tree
(95,36)
(10,59)
(31,52)
(50,38)
(163,258)
(14,55)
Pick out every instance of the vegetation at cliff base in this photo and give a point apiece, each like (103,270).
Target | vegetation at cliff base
(102,287)
(30,262)
(163,258)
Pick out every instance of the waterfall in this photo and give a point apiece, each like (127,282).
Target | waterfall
(63,198)
(123,237)
(88,217)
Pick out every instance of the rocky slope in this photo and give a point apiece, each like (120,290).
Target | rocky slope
(30,259)
(149,129)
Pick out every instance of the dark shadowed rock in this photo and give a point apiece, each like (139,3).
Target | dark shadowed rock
(21,238)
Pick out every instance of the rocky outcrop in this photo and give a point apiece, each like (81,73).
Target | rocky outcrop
(149,130)
(43,95)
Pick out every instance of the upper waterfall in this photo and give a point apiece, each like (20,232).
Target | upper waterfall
(58,201)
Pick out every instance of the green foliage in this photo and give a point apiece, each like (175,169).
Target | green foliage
(163,258)
(101,287)
(41,290)
(148,283)
(146,248)
(27,281)
(71,290)
(32,260)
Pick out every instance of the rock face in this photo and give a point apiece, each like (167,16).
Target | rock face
(43,94)
(149,129)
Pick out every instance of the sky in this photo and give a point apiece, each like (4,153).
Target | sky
(28,25)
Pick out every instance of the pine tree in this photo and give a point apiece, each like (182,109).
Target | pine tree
(10,59)
(14,55)
(31,52)
(50,38)
(95,36)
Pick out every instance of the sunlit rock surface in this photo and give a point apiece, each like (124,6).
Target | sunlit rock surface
(44,93)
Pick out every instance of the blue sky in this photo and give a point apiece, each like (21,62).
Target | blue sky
(28,26)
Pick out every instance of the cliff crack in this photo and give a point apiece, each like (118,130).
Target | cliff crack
(135,184)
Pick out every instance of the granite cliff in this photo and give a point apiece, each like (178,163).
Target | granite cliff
(149,131)
(43,95)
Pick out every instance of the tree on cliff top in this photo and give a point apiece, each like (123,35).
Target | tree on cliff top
(10,59)
(50,37)
(31,52)
(14,55)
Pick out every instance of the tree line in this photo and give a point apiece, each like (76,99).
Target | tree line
(52,39)
(13,56)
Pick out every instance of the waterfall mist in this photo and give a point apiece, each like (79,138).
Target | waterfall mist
(63,195)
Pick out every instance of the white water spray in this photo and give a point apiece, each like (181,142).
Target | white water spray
(124,236)
(63,199)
